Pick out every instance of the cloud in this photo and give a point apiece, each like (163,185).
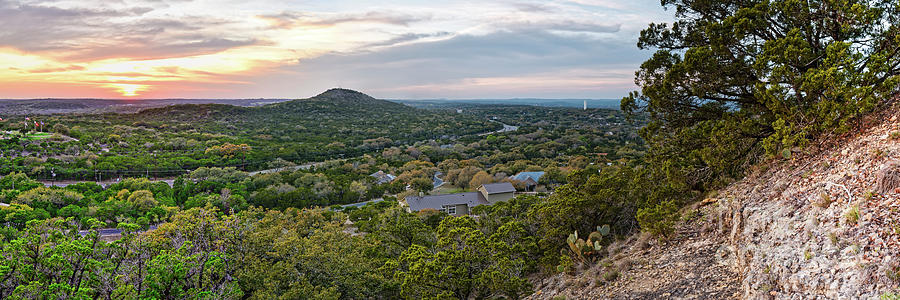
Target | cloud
(51,69)
(483,63)
(97,33)
(231,48)
(292,19)
(155,48)
(533,7)
(569,25)
(34,27)
(409,37)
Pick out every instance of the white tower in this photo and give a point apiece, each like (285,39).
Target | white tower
(585,104)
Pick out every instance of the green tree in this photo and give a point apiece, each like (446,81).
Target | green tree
(464,264)
(480,178)
(142,200)
(732,79)
(399,230)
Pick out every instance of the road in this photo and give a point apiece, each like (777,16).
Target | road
(105,183)
(111,233)
(506,128)
(171,181)
(305,166)
(361,204)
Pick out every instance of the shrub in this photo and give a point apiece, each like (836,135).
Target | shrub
(659,220)
(611,275)
(890,296)
(824,201)
(852,215)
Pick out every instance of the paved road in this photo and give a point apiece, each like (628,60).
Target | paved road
(171,181)
(436,180)
(361,204)
(108,232)
(105,183)
(506,128)
(293,168)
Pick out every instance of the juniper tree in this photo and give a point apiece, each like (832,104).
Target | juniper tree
(734,81)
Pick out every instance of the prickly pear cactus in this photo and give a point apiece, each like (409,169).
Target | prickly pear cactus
(587,250)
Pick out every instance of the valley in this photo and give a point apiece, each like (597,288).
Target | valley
(450,150)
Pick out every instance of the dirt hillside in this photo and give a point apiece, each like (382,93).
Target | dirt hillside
(824,224)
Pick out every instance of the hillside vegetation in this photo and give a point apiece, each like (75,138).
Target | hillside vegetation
(738,84)
(786,91)
(824,224)
(176,139)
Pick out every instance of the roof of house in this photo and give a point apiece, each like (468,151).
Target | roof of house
(382,177)
(522,176)
(471,199)
(499,188)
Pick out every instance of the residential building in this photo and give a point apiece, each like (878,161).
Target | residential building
(531,179)
(452,204)
(381,177)
(461,203)
(496,192)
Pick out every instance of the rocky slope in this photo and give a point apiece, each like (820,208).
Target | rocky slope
(821,225)
(824,224)
(695,264)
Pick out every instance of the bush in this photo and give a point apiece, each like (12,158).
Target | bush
(660,219)
(852,215)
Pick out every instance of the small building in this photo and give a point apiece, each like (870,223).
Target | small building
(461,203)
(453,204)
(530,179)
(496,192)
(381,177)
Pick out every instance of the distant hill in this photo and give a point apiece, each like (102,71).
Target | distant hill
(576,103)
(19,107)
(336,123)
(333,113)
(15,107)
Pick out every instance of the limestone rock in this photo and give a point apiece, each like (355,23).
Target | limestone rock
(888,178)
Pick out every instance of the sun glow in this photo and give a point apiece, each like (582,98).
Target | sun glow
(128,90)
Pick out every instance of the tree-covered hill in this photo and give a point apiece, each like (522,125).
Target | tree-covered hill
(174,139)
(331,115)
(341,111)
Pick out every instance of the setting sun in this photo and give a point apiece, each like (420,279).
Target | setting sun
(283,49)
(127,89)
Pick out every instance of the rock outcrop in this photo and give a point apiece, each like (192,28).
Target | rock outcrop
(823,225)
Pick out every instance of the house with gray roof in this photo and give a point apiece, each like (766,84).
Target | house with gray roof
(381,177)
(496,192)
(461,203)
(530,179)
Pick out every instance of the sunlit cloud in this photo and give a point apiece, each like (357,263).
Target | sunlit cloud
(156,48)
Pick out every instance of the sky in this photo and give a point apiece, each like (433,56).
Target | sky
(296,49)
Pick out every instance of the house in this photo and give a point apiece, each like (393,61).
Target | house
(530,179)
(381,177)
(460,203)
(452,204)
(496,192)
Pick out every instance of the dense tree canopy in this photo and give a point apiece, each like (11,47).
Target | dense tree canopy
(732,80)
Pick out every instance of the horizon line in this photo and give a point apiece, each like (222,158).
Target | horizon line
(237,99)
